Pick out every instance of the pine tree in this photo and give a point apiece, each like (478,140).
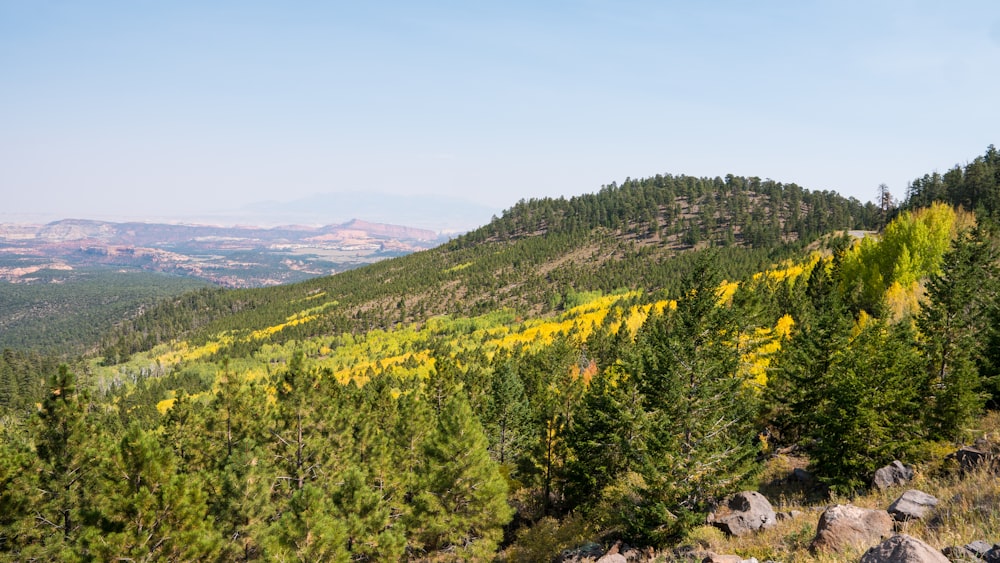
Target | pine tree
(701,412)
(67,445)
(17,497)
(149,510)
(307,530)
(507,416)
(951,328)
(235,453)
(869,411)
(608,438)
(460,504)
(804,362)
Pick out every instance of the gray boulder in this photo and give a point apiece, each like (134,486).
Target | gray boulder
(957,553)
(903,549)
(968,458)
(978,547)
(891,475)
(589,551)
(744,513)
(845,526)
(975,552)
(912,505)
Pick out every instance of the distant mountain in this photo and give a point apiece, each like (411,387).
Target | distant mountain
(441,214)
(228,256)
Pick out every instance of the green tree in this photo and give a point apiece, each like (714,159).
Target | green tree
(67,445)
(701,410)
(608,438)
(869,413)
(507,415)
(460,500)
(951,325)
(149,510)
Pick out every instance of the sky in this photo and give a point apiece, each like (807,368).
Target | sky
(144,109)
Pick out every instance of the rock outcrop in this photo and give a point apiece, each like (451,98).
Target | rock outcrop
(744,513)
(845,526)
(912,505)
(892,475)
(903,549)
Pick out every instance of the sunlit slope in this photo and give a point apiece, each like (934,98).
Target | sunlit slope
(532,261)
(909,250)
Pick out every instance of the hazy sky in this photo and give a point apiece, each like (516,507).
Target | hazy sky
(156,108)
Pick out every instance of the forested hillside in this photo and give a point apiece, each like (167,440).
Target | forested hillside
(531,260)
(64,313)
(575,371)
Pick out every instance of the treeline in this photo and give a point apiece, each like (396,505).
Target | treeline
(975,186)
(527,260)
(735,210)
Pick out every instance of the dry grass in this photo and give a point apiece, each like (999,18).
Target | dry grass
(968,508)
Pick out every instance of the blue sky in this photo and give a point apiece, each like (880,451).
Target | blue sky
(154,109)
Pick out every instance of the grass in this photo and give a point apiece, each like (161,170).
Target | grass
(968,508)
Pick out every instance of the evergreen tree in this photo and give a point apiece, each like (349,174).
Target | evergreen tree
(608,438)
(17,486)
(149,510)
(804,363)
(951,328)
(459,504)
(507,416)
(701,411)
(67,446)
(869,413)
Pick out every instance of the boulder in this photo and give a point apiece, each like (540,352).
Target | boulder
(993,555)
(744,513)
(903,549)
(912,505)
(714,558)
(891,475)
(978,547)
(844,526)
(613,555)
(587,552)
(968,458)
(956,553)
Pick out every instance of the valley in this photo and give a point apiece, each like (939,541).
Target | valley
(224,256)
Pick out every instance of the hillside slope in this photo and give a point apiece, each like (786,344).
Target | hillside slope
(281,427)
(531,260)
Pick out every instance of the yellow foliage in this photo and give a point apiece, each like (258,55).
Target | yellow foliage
(457,268)
(726,291)
(864,319)
(165,405)
(902,301)
(784,326)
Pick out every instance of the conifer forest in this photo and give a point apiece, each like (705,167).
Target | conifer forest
(599,368)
